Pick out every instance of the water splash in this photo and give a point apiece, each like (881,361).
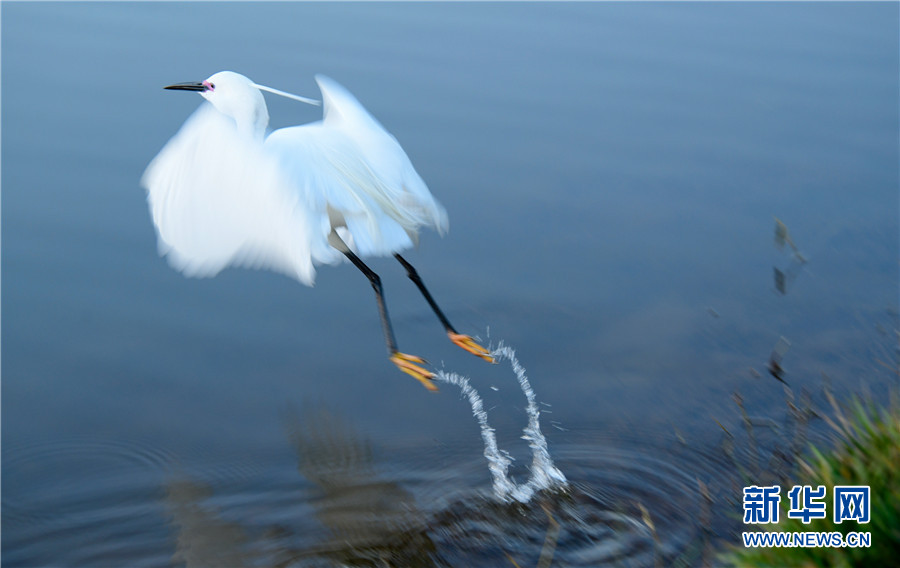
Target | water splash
(543,474)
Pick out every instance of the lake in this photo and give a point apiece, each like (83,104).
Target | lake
(651,203)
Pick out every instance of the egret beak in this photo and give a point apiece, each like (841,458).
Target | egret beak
(192,86)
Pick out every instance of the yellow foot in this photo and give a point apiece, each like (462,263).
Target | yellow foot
(467,343)
(407,364)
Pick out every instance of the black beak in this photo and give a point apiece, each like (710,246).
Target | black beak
(200,87)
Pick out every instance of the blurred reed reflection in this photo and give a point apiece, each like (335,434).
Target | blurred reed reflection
(367,520)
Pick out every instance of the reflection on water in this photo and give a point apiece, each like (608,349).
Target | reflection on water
(785,277)
(778,352)
(202,537)
(643,511)
(365,520)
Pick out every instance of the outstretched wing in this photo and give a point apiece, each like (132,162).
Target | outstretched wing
(217,199)
(380,195)
(403,194)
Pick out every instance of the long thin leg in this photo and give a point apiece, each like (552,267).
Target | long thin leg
(464,341)
(417,280)
(375,280)
(406,363)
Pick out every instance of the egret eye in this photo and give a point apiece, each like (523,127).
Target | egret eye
(212,86)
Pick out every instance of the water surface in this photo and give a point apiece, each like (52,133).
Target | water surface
(612,171)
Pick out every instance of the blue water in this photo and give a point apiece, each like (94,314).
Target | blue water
(612,172)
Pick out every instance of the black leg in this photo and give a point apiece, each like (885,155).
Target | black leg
(375,280)
(417,280)
(409,364)
(459,339)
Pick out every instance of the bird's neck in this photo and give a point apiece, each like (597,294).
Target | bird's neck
(253,121)
(250,116)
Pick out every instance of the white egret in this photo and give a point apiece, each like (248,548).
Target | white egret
(222,193)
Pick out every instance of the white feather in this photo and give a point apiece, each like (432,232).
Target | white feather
(220,196)
(217,199)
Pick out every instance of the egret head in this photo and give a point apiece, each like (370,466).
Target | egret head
(234,96)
